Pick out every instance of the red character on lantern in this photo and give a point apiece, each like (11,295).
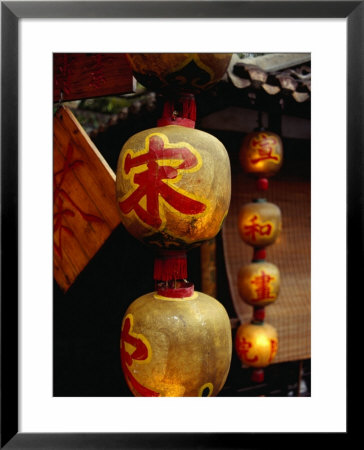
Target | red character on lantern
(244,347)
(262,286)
(141,353)
(152,182)
(265,146)
(257,228)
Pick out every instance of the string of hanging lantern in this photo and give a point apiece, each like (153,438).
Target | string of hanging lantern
(259,224)
(173,189)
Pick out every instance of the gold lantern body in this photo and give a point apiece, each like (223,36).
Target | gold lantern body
(261,153)
(259,223)
(176,347)
(256,344)
(173,186)
(191,72)
(259,283)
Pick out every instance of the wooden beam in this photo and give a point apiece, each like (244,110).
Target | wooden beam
(87,75)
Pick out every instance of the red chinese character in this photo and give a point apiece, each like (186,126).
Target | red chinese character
(256,228)
(60,196)
(244,347)
(262,286)
(152,185)
(265,146)
(139,354)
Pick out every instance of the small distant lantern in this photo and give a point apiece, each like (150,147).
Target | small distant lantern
(175,343)
(256,345)
(261,153)
(259,223)
(259,283)
(183,72)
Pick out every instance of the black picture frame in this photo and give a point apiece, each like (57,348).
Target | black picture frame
(11,12)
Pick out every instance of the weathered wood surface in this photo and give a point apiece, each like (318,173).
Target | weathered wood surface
(84,204)
(88,75)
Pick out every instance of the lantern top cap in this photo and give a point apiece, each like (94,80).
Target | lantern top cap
(182,290)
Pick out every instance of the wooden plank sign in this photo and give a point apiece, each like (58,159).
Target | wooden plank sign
(88,75)
(84,204)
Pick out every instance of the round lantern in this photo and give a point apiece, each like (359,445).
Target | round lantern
(191,72)
(175,343)
(261,153)
(173,186)
(256,344)
(258,283)
(259,223)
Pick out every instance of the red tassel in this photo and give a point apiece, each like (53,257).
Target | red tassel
(179,111)
(189,107)
(170,265)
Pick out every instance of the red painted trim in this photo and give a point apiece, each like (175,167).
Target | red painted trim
(180,292)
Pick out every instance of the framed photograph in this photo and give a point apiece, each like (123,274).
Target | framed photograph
(32,416)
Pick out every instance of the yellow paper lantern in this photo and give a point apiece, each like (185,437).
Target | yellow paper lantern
(256,344)
(175,346)
(261,153)
(173,186)
(191,72)
(259,223)
(259,283)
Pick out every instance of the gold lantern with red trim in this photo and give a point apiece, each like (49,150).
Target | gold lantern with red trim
(259,223)
(259,283)
(256,344)
(261,153)
(173,186)
(175,343)
(171,72)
